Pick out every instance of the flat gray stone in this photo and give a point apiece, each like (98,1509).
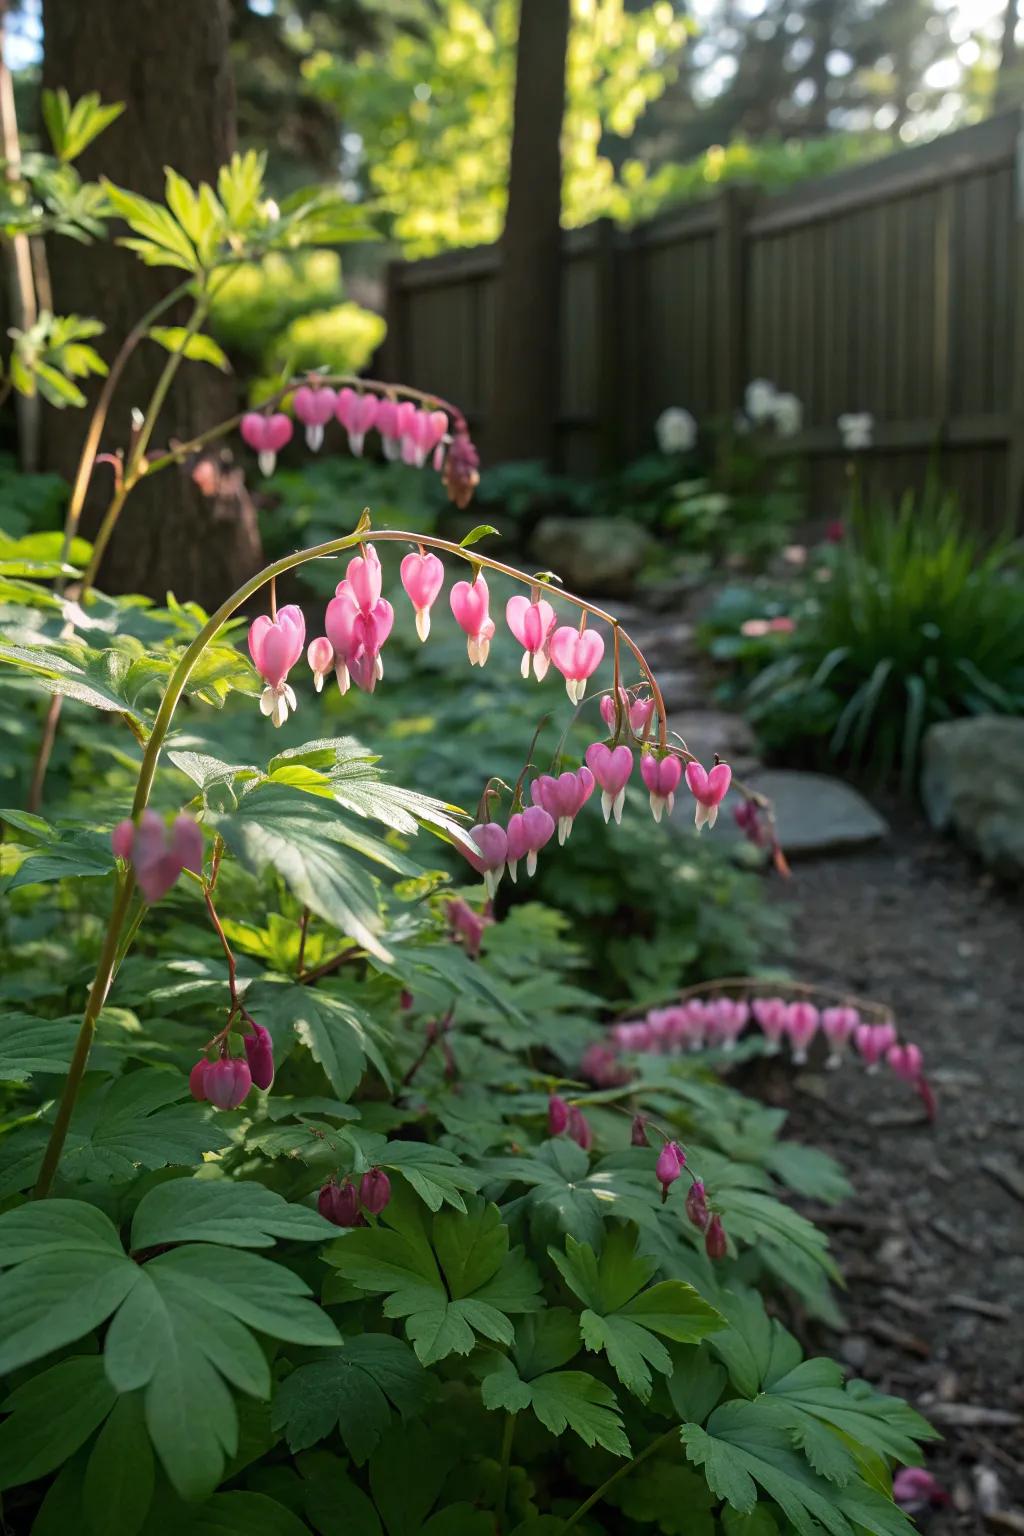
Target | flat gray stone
(592,554)
(815,813)
(681,688)
(972,783)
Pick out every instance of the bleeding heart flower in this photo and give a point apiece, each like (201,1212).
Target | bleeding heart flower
(563,798)
(259,1052)
(266,436)
(770,1013)
(872,1042)
(364,578)
(532,624)
(611,767)
(314,405)
(715,1243)
(275,645)
(196,1079)
(638,712)
(801,1026)
(470,603)
(670,1164)
(580,1129)
(837,1025)
(374,1191)
(577,656)
(697,1206)
(422,578)
(906,1061)
(424,430)
(638,1132)
(558,1115)
(490,861)
(727,1018)
(357,414)
(158,852)
(661,775)
(709,790)
(227,1082)
(339,1204)
(526,835)
(467,924)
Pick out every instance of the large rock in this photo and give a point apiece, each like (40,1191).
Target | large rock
(973,784)
(814,813)
(592,554)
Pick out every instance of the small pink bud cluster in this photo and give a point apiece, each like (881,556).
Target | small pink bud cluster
(566,1119)
(716,1244)
(157,852)
(694,1025)
(407,432)
(670,1164)
(344,1204)
(225,1083)
(636,711)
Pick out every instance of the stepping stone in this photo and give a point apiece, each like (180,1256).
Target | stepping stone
(815,813)
(682,689)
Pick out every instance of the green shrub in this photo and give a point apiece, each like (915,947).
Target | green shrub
(918,622)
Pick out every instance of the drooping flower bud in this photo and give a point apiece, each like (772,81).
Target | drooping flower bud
(374,1190)
(915,1490)
(532,624)
(770,1013)
(460,472)
(697,1205)
(715,1244)
(638,1132)
(601,1066)
(227,1082)
(838,1025)
(158,853)
(357,414)
(579,1128)
(709,790)
(872,1042)
(470,604)
(259,1052)
(670,1164)
(339,1203)
(468,925)
(558,1115)
(320,655)
(563,798)
(197,1079)
(801,1027)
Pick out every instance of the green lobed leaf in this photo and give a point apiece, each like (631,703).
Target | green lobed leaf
(355,1389)
(236,1213)
(120,1476)
(50,1416)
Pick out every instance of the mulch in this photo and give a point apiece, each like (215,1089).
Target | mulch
(932,1243)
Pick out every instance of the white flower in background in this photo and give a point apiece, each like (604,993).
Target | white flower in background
(675,430)
(856,428)
(788,415)
(759,400)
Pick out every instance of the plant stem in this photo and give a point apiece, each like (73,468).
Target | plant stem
(303,929)
(76,1071)
(620,1472)
(506,1466)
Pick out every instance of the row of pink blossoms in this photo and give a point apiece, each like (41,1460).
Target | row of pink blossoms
(407,432)
(700,1024)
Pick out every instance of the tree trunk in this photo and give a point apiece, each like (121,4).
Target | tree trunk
(525,404)
(1008,84)
(192,529)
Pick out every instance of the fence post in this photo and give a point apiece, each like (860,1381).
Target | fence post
(1015,444)
(609,322)
(730,301)
(390,358)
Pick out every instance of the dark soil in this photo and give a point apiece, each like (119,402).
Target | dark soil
(932,1243)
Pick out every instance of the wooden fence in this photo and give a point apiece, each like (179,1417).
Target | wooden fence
(896,287)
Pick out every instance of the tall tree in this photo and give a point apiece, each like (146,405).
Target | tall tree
(193,529)
(525,402)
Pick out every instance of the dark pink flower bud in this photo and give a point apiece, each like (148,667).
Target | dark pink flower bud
(197,1079)
(227,1082)
(405,1000)
(558,1115)
(374,1190)
(670,1164)
(579,1128)
(460,473)
(339,1203)
(715,1245)
(638,1132)
(915,1490)
(697,1205)
(601,1066)
(259,1052)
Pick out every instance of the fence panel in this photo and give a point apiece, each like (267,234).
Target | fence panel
(894,287)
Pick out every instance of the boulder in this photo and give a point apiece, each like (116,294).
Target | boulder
(602,555)
(972,784)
